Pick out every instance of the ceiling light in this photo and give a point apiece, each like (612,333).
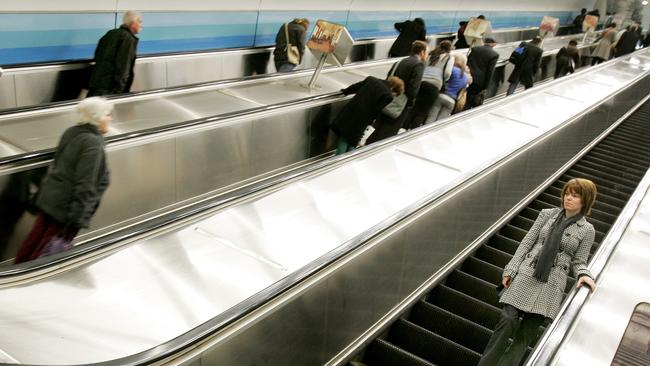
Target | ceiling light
(644,2)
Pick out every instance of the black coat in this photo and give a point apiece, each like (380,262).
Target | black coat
(114,61)
(481,61)
(409,32)
(563,60)
(627,43)
(78,177)
(526,71)
(410,70)
(296,38)
(372,95)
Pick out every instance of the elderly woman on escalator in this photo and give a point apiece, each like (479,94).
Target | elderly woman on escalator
(70,193)
(535,278)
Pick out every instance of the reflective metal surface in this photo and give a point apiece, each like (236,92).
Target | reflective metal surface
(210,268)
(38,85)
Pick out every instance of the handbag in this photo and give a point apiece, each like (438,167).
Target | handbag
(460,101)
(293,53)
(57,244)
(395,108)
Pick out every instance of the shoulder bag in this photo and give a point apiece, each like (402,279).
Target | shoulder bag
(395,108)
(293,54)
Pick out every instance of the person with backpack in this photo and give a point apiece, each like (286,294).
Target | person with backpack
(409,32)
(289,41)
(440,64)
(73,187)
(527,58)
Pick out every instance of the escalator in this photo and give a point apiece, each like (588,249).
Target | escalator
(453,323)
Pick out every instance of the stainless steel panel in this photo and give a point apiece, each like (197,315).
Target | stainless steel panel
(35,88)
(142,180)
(212,159)
(150,75)
(7,92)
(179,275)
(184,71)
(280,140)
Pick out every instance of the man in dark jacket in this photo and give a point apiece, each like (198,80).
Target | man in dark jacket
(578,20)
(409,32)
(628,41)
(567,59)
(297,30)
(461,42)
(371,96)
(115,58)
(410,71)
(527,68)
(481,62)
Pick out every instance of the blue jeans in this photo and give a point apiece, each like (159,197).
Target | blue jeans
(285,67)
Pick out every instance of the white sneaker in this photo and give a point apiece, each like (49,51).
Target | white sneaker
(401,130)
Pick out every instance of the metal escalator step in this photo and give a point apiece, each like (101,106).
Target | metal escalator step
(602,197)
(482,269)
(493,256)
(605,176)
(593,154)
(600,182)
(539,205)
(522,222)
(596,212)
(464,306)
(382,353)
(451,326)
(629,142)
(473,286)
(608,191)
(503,243)
(513,232)
(626,167)
(622,149)
(529,213)
(430,346)
(609,152)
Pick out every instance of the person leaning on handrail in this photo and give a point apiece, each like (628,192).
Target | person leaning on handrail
(534,280)
(73,187)
(115,58)
(297,31)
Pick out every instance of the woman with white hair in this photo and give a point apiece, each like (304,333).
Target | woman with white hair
(460,79)
(71,191)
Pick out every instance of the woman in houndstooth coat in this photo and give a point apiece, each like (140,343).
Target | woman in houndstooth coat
(535,278)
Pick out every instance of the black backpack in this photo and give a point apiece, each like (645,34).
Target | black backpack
(517,56)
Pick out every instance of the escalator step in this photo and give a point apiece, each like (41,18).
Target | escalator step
(493,256)
(503,243)
(473,286)
(615,168)
(600,182)
(529,213)
(450,326)
(513,232)
(608,191)
(600,156)
(607,152)
(522,222)
(464,306)
(382,353)
(486,271)
(430,346)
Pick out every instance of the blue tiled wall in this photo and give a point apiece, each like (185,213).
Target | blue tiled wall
(32,38)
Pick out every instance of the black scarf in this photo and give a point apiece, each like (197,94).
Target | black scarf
(552,245)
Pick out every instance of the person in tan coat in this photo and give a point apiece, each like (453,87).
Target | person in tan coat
(535,278)
(603,50)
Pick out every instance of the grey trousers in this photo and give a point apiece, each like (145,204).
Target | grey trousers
(522,333)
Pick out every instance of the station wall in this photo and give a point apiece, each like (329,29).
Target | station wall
(34,31)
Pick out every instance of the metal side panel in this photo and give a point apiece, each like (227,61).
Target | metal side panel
(151,75)
(142,180)
(207,160)
(183,71)
(7,92)
(324,314)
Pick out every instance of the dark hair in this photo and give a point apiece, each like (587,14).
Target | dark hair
(612,25)
(583,10)
(573,42)
(419,21)
(536,40)
(417,47)
(443,47)
(481,16)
